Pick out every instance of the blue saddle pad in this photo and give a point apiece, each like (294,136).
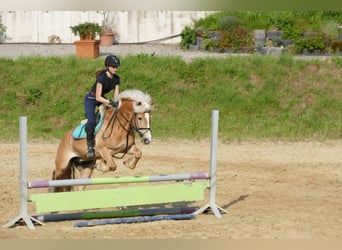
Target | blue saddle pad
(80,133)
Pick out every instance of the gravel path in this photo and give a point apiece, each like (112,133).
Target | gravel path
(22,49)
(17,50)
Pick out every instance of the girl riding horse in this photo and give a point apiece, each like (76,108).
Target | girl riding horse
(106,81)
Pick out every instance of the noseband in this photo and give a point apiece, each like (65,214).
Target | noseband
(138,129)
(133,125)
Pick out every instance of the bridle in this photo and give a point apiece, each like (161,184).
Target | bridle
(133,126)
(136,127)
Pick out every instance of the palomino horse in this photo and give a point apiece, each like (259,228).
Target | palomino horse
(116,136)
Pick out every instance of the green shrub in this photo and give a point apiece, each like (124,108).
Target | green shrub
(293,23)
(188,36)
(2,31)
(209,44)
(228,23)
(208,23)
(311,42)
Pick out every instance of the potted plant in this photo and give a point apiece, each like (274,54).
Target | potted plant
(87,46)
(107,33)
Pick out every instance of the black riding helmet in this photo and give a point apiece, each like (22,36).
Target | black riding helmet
(112,60)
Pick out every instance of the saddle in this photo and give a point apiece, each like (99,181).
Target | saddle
(80,133)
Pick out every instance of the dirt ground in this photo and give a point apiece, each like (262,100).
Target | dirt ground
(270,189)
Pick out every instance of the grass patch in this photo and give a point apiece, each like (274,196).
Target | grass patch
(257,96)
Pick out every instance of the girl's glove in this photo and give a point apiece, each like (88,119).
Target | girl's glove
(114,104)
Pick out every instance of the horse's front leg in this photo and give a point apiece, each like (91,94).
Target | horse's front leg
(107,162)
(133,158)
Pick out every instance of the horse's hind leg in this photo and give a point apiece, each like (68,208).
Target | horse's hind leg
(85,169)
(133,159)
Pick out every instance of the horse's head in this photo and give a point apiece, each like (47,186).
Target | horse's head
(142,108)
(143,126)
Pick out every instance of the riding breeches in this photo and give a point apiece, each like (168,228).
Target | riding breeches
(90,105)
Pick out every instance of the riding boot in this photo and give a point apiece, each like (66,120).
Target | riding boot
(90,143)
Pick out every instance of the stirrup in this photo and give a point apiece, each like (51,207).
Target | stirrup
(91,152)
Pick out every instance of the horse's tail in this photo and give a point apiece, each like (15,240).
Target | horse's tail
(71,175)
(52,189)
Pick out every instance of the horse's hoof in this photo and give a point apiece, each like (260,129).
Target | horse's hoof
(112,168)
(130,166)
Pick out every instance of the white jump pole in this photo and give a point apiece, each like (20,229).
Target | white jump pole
(213,158)
(23,180)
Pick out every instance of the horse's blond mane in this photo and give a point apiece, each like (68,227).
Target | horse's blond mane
(142,101)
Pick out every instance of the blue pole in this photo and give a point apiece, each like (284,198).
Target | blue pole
(115,213)
(135,220)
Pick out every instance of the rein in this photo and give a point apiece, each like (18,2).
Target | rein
(134,125)
(111,122)
(133,128)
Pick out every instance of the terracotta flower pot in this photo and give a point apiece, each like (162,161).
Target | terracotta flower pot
(87,48)
(107,39)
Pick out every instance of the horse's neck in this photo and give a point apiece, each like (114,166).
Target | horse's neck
(126,113)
